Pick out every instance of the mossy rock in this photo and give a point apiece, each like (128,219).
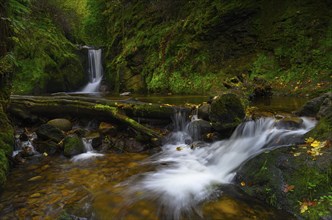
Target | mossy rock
(72,145)
(226,113)
(4,166)
(61,123)
(287,176)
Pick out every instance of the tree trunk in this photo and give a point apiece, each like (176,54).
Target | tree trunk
(118,111)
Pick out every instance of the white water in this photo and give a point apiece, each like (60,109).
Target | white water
(95,71)
(185,178)
(89,152)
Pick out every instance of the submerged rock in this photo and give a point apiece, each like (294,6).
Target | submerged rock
(72,146)
(290,123)
(226,113)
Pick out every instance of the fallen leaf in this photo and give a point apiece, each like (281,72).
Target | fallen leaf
(315,144)
(304,207)
(288,188)
(309,140)
(179,149)
(243,183)
(297,154)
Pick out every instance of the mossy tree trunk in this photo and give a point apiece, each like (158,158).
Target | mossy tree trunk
(120,111)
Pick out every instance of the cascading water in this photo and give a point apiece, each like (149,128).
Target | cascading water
(95,71)
(185,177)
(89,152)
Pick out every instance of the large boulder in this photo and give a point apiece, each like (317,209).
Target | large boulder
(321,108)
(61,123)
(289,178)
(50,147)
(312,107)
(226,113)
(72,145)
(49,132)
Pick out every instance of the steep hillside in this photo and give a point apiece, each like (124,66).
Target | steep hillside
(194,46)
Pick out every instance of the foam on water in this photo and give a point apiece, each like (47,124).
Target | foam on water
(185,177)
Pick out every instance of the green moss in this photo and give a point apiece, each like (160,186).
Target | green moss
(4,167)
(73,145)
(267,176)
(322,131)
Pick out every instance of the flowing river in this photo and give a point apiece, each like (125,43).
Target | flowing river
(180,182)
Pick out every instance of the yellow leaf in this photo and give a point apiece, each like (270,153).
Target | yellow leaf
(315,144)
(304,207)
(179,148)
(309,140)
(243,183)
(297,154)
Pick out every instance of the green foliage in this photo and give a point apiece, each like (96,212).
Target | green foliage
(42,52)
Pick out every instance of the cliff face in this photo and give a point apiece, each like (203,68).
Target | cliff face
(193,46)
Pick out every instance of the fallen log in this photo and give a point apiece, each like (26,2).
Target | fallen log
(119,111)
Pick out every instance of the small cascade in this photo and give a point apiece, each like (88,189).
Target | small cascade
(89,152)
(185,177)
(95,71)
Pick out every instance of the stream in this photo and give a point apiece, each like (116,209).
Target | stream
(180,182)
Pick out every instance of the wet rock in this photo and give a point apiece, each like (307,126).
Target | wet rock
(325,110)
(49,132)
(61,123)
(226,113)
(197,144)
(133,146)
(24,137)
(204,111)
(212,137)
(72,146)
(198,128)
(290,123)
(50,147)
(312,107)
(27,151)
(321,108)
(96,143)
(108,128)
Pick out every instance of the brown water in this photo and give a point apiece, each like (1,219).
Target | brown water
(50,186)
(89,189)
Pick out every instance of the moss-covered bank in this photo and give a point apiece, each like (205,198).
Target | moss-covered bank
(6,130)
(46,54)
(188,47)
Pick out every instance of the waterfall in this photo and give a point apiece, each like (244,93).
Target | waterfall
(95,71)
(185,177)
(89,151)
